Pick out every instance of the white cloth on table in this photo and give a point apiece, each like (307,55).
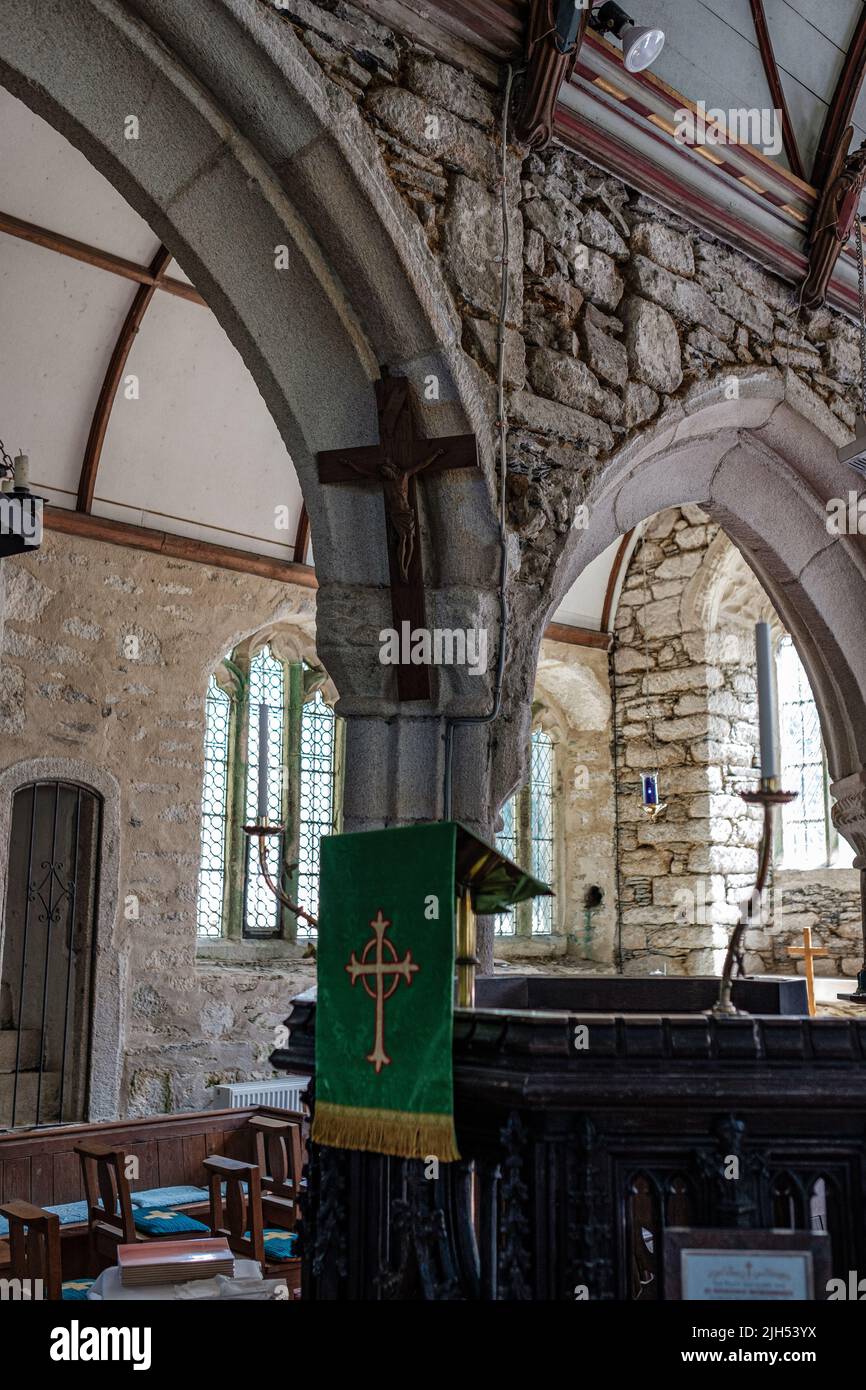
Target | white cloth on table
(109,1286)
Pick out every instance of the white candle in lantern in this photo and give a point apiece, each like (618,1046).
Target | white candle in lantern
(21,464)
(767,712)
(263,763)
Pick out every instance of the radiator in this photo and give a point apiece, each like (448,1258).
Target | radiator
(283,1092)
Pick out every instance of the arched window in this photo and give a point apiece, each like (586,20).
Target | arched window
(528,837)
(808,836)
(303,740)
(211,883)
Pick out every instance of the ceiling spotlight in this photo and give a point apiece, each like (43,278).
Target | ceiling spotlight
(641,44)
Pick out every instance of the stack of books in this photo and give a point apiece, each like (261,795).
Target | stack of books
(173,1261)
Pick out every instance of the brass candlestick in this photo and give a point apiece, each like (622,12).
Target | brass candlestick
(769,796)
(263,829)
(466,959)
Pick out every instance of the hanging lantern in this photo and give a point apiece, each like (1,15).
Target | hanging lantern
(652,805)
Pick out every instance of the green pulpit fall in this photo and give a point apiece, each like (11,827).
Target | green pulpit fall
(386,981)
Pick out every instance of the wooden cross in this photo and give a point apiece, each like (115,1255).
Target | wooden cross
(394,464)
(809,952)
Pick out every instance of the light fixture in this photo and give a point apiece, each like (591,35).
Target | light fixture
(641,44)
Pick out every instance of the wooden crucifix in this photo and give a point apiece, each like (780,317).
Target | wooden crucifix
(809,952)
(394,464)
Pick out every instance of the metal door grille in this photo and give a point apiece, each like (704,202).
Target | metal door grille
(46,968)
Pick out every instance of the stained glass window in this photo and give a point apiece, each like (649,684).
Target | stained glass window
(528,837)
(233,896)
(211,879)
(809,840)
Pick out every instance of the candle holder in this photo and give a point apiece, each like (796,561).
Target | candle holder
(769,797)
(262,830)
(652,807)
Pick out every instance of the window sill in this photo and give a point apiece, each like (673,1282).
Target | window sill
(546,945)
(831,874)
(256,954)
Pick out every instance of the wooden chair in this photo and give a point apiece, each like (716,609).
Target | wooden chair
(280,1158)
(34,1246)
(112,1219)
(238,1217)
(109,1210)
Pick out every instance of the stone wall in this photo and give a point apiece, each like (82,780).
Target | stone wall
(70,693)
(616,306)
(72,703)
(686,705)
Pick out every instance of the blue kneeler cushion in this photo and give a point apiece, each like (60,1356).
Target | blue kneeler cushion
(160,1222)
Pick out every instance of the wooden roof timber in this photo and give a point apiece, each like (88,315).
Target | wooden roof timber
(92,255)
(768,58)
(302,535)
(100,528)
(842,104)
(114,373)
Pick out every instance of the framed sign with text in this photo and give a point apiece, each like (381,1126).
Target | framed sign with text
(715,1266)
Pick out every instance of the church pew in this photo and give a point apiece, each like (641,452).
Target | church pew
(41,1166)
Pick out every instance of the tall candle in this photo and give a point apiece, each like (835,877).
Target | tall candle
(263,763)
(21,464)
(767,712)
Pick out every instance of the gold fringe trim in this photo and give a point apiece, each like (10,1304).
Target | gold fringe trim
(398,1132)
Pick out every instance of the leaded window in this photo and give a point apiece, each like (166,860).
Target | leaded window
(318,750)
(211,882)
(267,687)
(255,689)
(528,836)
(808,837)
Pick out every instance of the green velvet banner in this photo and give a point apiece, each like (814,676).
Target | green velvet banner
(385,992)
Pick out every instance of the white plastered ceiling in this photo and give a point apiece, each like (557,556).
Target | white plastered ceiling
(195,452)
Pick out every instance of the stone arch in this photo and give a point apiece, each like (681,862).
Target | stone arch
(111,929)
(724,590)
(245,145)
(290,640)
(765,472)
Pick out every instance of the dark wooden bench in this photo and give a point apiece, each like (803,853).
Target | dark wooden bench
(41,1166)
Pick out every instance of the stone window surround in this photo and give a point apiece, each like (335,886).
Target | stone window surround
(111,929)
(832,862)
(555,942)
(293,643)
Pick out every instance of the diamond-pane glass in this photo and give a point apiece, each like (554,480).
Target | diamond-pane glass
(211,878)
(804,821)
(318,727)
(541,785)
(267,687)
(506,843)
(527,837)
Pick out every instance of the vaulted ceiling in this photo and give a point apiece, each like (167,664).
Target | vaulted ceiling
(195,451)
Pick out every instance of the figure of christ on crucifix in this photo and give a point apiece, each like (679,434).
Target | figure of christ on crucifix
(394,464)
